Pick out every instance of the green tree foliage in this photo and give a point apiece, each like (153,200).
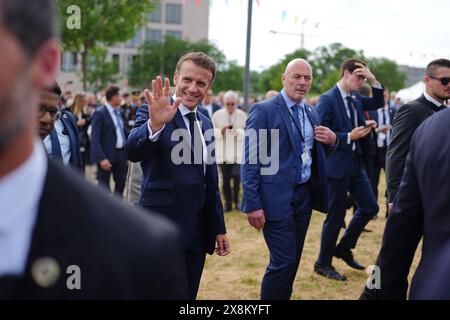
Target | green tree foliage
(161,58)
(326,63)
(230,76)
(100,71)
(102,21)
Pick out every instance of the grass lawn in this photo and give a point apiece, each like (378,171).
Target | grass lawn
(239,275)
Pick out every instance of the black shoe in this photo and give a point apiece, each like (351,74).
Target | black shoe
(328,272)
(347,256)
(366,230)
(237,206)
(228,207)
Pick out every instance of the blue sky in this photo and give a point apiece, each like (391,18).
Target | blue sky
(409,32)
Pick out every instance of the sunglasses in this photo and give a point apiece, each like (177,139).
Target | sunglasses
(52,111)
(230,104)
(444,81)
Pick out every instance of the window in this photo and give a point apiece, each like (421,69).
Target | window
(129,59)
(153,35)
(176,34)
(173,13)
(155,16)
(116,62)
(136,41)
(69,61)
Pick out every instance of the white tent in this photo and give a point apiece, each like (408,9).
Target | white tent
(411,93)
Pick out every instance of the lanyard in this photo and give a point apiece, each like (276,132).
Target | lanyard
(302,135)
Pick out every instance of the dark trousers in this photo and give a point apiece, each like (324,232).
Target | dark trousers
(231,172)
(357,183)
(195,256)
(285,241)
(374,166)
(118,170)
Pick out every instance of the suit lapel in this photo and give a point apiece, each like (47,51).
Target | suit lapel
(342,108)
(284,113)
(110,120)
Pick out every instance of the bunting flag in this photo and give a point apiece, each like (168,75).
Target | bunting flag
(258,2)
(183,2)
(283,15)
(317,25)
(296,20)
(198,3)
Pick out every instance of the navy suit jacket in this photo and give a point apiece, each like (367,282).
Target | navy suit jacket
(421,211)
(334,116)
(273,193)
(69,122)
(103,137)
(180,192)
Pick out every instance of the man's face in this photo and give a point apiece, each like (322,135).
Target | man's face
(434,86)
(230,104)
(354,82)
(297,81)
(192,83)
(115,100)
(48,111)
(14,92)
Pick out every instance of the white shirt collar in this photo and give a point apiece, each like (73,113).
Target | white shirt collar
(20,193)
(183,109)
(432,100)
(343,93)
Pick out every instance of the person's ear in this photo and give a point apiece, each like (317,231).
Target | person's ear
(45,64)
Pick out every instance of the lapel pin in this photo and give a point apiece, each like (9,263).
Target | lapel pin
(45,271)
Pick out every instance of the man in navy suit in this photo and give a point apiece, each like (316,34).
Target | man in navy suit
(421,211)
(62,143)
(342,110)
(279,196)
(173,141)
(107,142)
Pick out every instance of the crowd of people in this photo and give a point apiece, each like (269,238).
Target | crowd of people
(168,146)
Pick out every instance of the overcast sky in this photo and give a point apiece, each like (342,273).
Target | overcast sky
(410,32)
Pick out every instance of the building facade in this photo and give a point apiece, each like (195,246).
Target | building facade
(187,21)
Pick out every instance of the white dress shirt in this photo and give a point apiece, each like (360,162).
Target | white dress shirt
(154,137)
(119,127)
(381,136)
(20,193)
(64,142)
(432,100)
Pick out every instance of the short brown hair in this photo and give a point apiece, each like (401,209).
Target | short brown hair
(435,64)
(200,59)
(351,66)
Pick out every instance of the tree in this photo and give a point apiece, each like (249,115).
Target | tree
(160,58)
(229,77)
(100,71)
(387,73)
(106,22)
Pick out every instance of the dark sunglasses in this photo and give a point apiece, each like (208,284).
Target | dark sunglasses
(444,81)
(52,111)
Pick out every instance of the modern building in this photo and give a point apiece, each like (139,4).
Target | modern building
(182,19)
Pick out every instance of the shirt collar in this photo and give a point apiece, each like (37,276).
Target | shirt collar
(432,100)
(20,190)
(344,94)
(289,102)
(183,109)
(110,107)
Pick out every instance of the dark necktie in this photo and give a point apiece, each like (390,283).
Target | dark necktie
(351,110)
(297,140)
(196,140)
(384,123)
(56,147)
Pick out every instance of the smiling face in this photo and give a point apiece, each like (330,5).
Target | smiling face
(297,79)
(192,82)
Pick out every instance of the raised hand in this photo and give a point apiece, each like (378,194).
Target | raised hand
(365,72)
(159,107)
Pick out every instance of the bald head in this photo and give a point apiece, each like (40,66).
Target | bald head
(296,63)
(297,79)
